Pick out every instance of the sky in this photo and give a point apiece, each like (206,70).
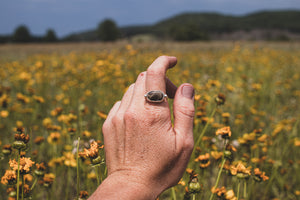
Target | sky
(69,16)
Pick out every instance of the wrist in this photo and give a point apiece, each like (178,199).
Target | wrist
(120,185)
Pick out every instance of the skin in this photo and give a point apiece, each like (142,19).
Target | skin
(145,153)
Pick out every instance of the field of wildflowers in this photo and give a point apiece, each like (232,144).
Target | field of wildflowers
(54,99)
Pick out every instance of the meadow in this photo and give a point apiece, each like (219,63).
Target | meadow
(54,99)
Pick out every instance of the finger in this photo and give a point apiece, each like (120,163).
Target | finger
(156,73)
(113,110)
(171,88)
(138,92)
(126,99)
(184,113)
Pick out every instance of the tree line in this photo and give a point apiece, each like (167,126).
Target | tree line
(107,30)
(272,25)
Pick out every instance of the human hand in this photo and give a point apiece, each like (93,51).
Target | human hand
(143,149)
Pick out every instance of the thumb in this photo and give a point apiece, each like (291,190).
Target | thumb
(184,110)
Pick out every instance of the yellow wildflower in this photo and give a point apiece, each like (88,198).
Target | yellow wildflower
(9,177)
(25,165)
(4,113)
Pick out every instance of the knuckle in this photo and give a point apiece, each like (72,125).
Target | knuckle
(105,128)
(189,144)
(156,113)
(153,72)
(116,120)
(187,110)
(130,116)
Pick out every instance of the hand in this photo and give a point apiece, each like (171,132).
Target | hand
(145,153)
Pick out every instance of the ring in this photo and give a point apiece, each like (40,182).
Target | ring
(155,96)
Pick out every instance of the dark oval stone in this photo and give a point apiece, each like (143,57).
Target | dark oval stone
(155,96)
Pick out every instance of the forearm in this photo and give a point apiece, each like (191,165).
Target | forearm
(120,188)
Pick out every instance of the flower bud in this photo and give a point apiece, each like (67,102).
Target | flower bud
(194,187)
(96,160)
(20,145)
(220,99)
(227,154)
(39,173)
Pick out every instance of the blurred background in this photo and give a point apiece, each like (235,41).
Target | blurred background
(92,20)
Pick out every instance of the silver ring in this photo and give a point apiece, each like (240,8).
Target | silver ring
(155,96)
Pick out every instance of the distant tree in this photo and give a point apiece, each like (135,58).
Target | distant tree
(21,34)
(50,36)
(108,30)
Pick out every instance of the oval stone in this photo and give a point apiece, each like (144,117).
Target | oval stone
(155,96)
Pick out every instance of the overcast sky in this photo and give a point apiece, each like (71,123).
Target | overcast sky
(67,16)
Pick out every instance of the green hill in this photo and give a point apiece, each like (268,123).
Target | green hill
(202,26)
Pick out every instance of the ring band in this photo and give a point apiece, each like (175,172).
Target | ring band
(155,96)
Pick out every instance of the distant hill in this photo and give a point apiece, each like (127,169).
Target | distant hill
(277,25)
(263,25)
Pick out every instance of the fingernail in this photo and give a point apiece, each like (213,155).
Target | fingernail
(188,91)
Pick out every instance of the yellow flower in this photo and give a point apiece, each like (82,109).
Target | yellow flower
(86,134)
(240,168)
(297,142)
(48,179)
(24,76)
(4,113)
(92,176)
(83,195)
(204,160)
(216,155)
(92,152)
(69,159)
(260,175)
(9,177)
(102,115)
(229,195)
(47,122)
(225,132)
(22,98)
(54,138)
(39,99)
(25,165)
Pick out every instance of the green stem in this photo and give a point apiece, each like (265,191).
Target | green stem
(98,179)
(77,160)
(194,197)
(18,176)
(245,189)
(238,190)
(219,176)
(205,127)
(100,174)
(173,193)
(34,183)
(23,182)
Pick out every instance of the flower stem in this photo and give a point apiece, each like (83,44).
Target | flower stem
(18,176)
(245,189)
(173,193)
(219,176)
(77,160)
(98,179)
(205,127)
(238,190)
(34,183)
(23,182)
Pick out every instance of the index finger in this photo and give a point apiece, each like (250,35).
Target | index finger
(156,73)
